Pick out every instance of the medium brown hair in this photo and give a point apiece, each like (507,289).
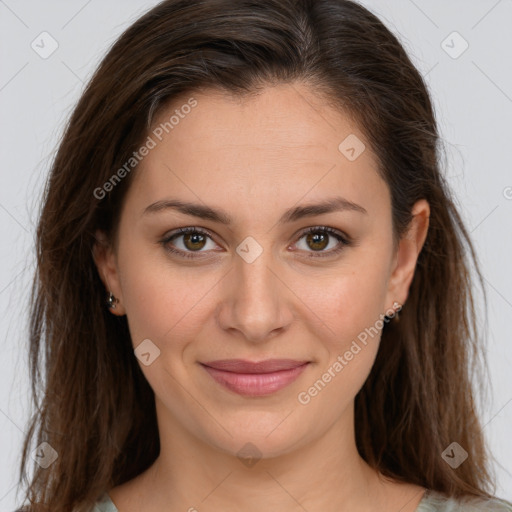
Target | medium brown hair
(93,404)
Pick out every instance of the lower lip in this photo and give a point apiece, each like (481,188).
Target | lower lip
(255,384)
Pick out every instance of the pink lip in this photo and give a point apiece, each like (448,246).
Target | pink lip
(255,379)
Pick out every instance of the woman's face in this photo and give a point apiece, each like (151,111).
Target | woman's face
(250,283)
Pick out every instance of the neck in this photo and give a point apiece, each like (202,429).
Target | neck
(325,474)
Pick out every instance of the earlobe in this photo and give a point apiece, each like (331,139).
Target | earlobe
(409,248)
(106,264)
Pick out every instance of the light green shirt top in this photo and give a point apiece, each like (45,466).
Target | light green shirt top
(431,502)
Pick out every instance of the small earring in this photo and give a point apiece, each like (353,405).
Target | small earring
(112,300)
(395,317)
(397,307)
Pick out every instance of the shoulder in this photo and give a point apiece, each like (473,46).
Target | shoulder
(104,504)
(437,502)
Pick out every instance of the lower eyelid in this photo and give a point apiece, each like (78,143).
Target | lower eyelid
(341,245)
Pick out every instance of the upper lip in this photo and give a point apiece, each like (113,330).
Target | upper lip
(244,366)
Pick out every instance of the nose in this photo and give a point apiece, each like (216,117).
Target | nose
(255,302)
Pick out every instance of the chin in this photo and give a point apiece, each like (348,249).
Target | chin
(260,437)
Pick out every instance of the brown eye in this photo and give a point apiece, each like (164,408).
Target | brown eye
(194,241)
(189,242)
(323,240)
(317,241)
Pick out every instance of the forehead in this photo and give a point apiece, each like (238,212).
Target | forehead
(282,144)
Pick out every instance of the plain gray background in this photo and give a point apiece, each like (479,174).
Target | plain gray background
(472,93)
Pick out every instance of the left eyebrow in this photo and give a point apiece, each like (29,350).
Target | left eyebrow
(335,204)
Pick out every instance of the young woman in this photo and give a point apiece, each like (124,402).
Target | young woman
(253,288)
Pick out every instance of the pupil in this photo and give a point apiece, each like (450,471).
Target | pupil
(317,239)
(195,239)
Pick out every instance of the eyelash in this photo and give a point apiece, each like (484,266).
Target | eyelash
(343,239)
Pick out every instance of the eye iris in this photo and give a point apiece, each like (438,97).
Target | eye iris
(194,238)
(319,240)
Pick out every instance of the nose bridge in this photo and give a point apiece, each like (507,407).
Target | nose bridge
(256,305)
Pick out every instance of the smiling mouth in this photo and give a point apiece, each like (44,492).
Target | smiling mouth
(255,378)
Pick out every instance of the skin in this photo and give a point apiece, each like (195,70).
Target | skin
(254,158)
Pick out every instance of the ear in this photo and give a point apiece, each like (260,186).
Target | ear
(406,256)
(106,262)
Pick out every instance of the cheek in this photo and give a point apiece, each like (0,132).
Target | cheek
(349,300)
(351,307)
(162,301)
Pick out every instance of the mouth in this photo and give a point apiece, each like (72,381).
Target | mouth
(255,378)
